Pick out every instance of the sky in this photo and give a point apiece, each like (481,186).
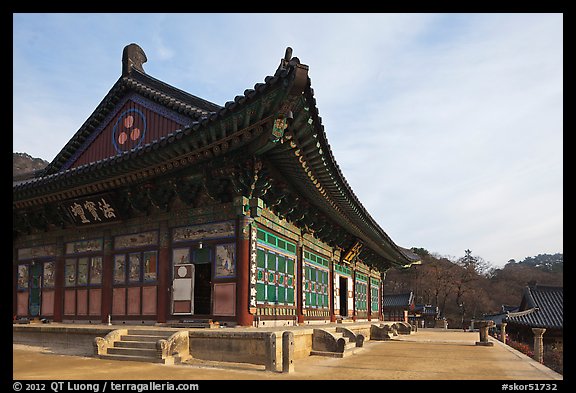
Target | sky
(447,126)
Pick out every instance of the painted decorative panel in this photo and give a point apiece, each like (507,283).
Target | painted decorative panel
(70,273)
(225,299)
(134,268)
(225,265)
(49,274)
(95,270)
(136,240)
(23,276)
(181,256)
(150,266)
(119,269)
(216,230)
(84,246)
(37,252)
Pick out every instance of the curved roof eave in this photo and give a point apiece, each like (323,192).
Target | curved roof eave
(342,193)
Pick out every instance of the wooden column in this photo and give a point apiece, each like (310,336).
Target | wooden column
(59,266)
(299,288)
(164,285)
(354,311)
(332,291)
(369,297)
(107,277)
(14,285)
(243,316)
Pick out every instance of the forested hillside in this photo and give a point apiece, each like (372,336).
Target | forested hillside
(469,287)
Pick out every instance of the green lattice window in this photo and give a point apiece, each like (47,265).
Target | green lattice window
(315,281)
(275,280)
(270,239)
(361,295)
(374,292)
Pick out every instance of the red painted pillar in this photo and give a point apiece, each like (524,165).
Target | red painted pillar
(299,288)
(243,316)
(354,316)
(59,288)
(332,290)
(107,277)
(164,285)
(14,287)
(369,298)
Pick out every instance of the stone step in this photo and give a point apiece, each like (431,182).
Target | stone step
(194,325)
(135,344)
(349,342)
(344,354)
(146,338)
(134,358)
(150,332)
(141,352)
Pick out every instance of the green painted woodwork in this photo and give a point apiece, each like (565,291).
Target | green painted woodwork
(275,241)
(374,298)
(343,270)
(315,281)
(361,277)
(360,296)
(275,264)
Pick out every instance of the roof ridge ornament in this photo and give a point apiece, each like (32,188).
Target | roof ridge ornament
(287,57)
(133,57)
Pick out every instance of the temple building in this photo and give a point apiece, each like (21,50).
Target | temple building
(166,207)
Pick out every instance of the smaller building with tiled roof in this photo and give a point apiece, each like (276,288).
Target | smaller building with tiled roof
(397,306)
(541,307)
(425,315)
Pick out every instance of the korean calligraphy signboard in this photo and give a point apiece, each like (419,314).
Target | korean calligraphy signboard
(352,252)
(92,210)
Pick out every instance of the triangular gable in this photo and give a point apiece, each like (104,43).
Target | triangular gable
(134,122)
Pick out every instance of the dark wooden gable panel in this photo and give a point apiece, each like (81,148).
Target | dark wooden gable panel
(136,122)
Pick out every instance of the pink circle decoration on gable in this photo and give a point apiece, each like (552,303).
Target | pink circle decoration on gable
(129,130)
(128,121)
(122,138)
(135,134)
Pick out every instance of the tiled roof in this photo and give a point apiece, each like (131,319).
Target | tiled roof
(309,164)
(426,309)
(541,306)
(509,308)
(398,300)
